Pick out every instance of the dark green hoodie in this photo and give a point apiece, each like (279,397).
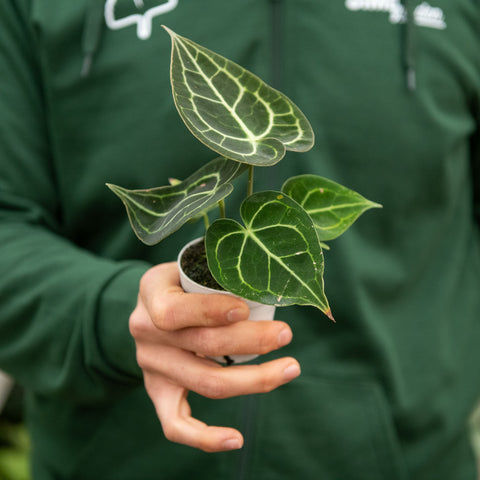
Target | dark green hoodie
(392,91)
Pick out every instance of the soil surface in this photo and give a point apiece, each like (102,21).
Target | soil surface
(194,264)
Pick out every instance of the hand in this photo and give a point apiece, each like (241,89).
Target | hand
(174,331)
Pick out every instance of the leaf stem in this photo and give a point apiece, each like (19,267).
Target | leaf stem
(250,180)
(206,221)
(221,207)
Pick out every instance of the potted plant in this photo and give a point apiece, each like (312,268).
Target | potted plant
(275,258)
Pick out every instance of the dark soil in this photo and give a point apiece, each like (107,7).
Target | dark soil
(194,264)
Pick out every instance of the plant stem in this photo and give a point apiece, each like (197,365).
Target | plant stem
(250,180)
(221,206)
(206,221)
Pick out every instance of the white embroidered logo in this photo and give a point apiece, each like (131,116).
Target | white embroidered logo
(424,14)
(143,20)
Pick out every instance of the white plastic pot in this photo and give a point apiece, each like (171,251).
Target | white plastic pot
(258,311)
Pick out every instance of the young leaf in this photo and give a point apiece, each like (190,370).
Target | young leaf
(231,110)
(155,213)
(275,259)
(332,207)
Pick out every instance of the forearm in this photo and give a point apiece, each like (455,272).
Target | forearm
(64,321)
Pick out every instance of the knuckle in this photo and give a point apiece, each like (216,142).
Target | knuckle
(266,387)
(136,325)
(206,342)
(171,432)
(165,316)
(142,359)
(145,280)
(265,384)
(264,342)
(212,386)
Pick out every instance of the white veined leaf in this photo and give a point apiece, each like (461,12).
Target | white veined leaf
(275,258)
(155,213)
(231,110)
(332,207)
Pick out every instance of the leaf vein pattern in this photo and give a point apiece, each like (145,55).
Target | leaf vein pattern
(275,257)
(250,136)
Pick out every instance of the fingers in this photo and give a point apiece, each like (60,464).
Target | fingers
(179,426)
(241,338)
(171,308)
(210,380)
(173,334)
(173,410)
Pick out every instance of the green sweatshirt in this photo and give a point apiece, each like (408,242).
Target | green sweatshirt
(393,94)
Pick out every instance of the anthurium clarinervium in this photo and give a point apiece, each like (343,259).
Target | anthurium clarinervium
(276,256)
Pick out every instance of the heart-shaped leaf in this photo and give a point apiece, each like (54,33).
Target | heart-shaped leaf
(275,259)
(231,110)
(155,213)
(332,207)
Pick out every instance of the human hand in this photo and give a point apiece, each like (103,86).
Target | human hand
(174,331)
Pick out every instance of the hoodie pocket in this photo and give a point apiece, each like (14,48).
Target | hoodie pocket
(326,428)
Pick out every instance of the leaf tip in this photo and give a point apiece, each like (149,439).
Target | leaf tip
(328,313)
(169,31)
(114,188)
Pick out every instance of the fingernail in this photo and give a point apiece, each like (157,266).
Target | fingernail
(284,337)
(236,315)
(232,444)
(291,372)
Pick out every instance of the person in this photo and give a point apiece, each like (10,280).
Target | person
(94,324)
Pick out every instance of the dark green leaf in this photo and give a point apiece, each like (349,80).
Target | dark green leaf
(275,259)
(231,110)
(332,206)
(155,213)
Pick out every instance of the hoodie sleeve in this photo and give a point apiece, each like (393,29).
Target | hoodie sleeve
(64,311)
